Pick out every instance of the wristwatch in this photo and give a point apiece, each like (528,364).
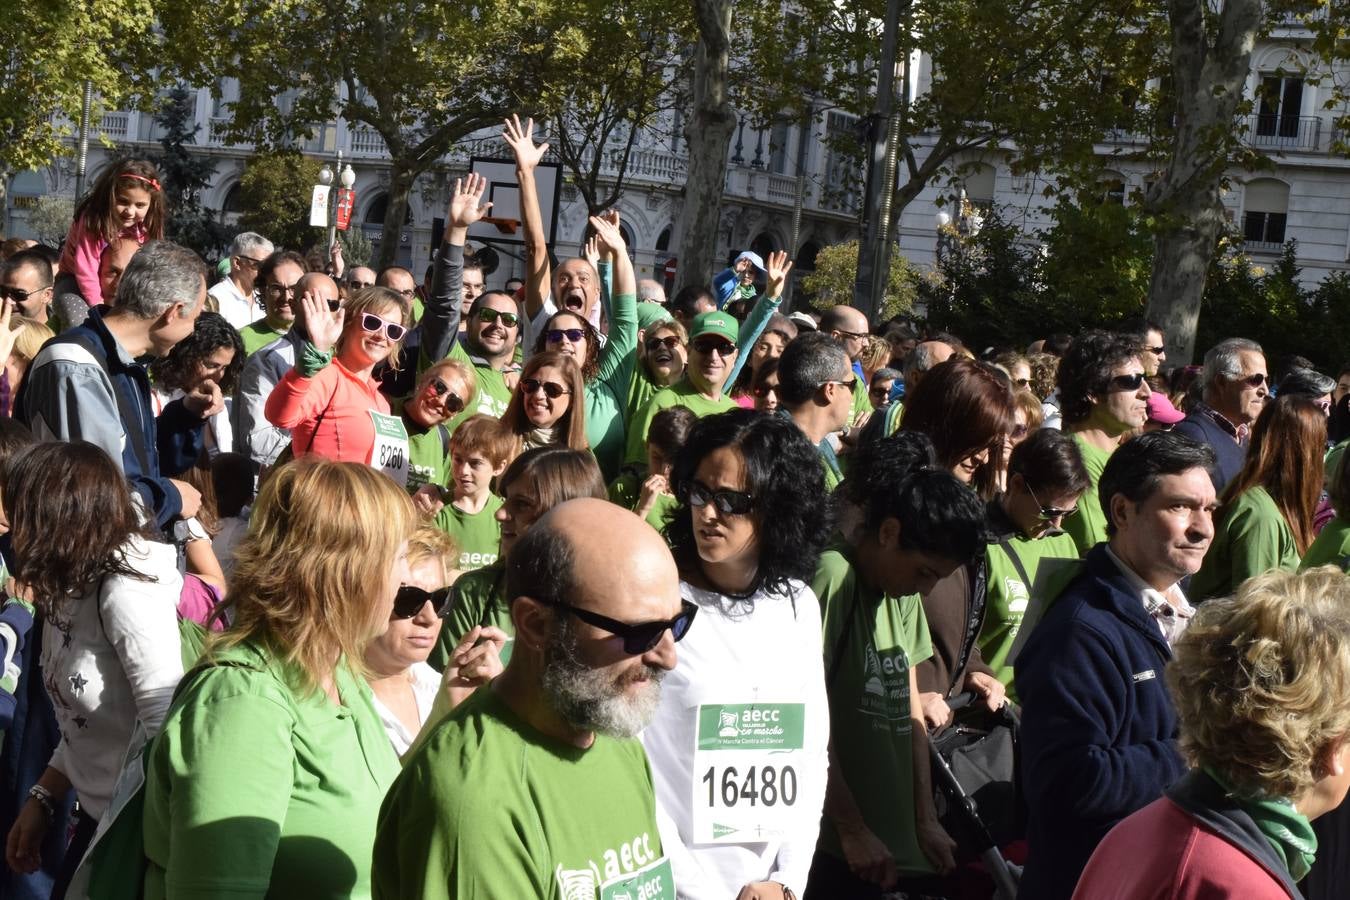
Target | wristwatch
(45,798)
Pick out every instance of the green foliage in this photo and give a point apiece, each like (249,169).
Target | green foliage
(1096,265)
(356,247)
(50,217)
(274,192)
(185,176)
(832,281)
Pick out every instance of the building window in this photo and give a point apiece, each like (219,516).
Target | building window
(1113,188)
(979,186)
(1265,212)
(1281,100)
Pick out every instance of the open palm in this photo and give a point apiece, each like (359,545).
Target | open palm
(777,267)
(520,138)
(466,206)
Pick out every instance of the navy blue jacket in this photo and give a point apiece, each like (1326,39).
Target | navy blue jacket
(1098,727)
(82,386)
(1229,454)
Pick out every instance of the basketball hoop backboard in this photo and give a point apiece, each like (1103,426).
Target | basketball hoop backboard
(504,191)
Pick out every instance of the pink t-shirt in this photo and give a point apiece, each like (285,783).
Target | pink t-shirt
(82,253)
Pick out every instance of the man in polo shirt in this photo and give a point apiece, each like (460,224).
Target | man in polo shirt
(535,786)
(277,278)
(1235,391)
(816,385)
(233,294)
(712,353)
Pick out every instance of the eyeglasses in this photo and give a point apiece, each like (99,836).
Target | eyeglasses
(1018,432)
(406,292)
(1127,382)
(250,260)
(1255,380)
(851,384)
(453,402)
(1022,382)
(765,390)
(728,503)
(409,601)
(709,346)
(360,285)
(856,335)
(638,637)
(373,323)
(556,335)
(670,341)
(1156,351)
(1048,513)
(487,315)
(334,305)
(279,290)
(18,296)
(553,391)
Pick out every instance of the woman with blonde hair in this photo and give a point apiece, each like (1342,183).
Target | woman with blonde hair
(23,337)
(547,408)
(1261,683)
(1266,517)
(330,400)
(272,763)
(404,686)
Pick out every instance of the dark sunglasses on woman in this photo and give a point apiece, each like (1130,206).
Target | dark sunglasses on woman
(409,601)
(551,390)
(728,503)
(556,335)
(453,402)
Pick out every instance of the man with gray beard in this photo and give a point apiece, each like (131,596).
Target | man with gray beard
(535,785)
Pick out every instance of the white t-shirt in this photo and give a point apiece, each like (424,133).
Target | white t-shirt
(425,682)
(238,309)
(772,653)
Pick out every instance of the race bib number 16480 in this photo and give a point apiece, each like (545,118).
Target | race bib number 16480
(748,758)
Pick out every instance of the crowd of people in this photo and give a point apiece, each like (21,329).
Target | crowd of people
(322,581)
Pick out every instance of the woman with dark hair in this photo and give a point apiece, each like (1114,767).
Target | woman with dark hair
(606,369)
(535,482)
(765,387)
(751,525)
(1046,478)
(966,409)
(919,524)
(202,371)
(772,342)
(1265,518)
(545,408)
(1332,545)
(111,654)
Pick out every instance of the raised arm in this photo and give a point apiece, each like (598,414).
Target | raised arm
(440,320)
(538,271)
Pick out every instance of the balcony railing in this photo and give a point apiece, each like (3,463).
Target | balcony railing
(114,126)
(367,142)
(1307,133)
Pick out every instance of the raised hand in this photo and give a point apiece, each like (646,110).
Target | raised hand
(335,260)
(777,267)
(521,141)
(324,325)
(608,234)
(466,206)
(592,251)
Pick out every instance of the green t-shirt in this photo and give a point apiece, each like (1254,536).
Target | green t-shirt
(641,390)
(1088,527)
(1331,548)
(607,392)
(493,394)
(626,491)
(868,685)
(428,456)
(253,789)
(478,598)
(477,535)
(257,335)
(1008,595)
(488,807)
(681,393)
(1250,537)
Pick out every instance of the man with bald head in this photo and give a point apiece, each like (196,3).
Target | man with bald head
(258,438)
(360,277)
(114,261)
(535,785)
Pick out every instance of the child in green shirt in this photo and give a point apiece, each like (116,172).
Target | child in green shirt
(653,497)
(479,451)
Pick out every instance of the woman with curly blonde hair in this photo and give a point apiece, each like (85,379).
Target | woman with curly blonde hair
(1261,683)
(272,762)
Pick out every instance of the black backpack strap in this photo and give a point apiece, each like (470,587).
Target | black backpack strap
(1016,561)
(445,438)
(978,597)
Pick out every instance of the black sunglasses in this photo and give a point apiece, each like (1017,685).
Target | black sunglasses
(551,390)
(19,296)
(453,402)
(409,601)
(1156,351)
(670,341)
(1127,382)
(851,384)
(487,315)
(638,637)
(1051,512)
(1253,380)
(555,335)
(728,503)
(334,305)
(765,390)
(707,346)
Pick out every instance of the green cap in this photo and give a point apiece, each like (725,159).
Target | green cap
(650,314)
(715,322)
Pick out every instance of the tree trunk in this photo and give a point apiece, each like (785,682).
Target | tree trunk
(709,135)
(1209,76)
(396,212)
(4,203)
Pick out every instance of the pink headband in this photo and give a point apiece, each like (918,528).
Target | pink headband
(150,181)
